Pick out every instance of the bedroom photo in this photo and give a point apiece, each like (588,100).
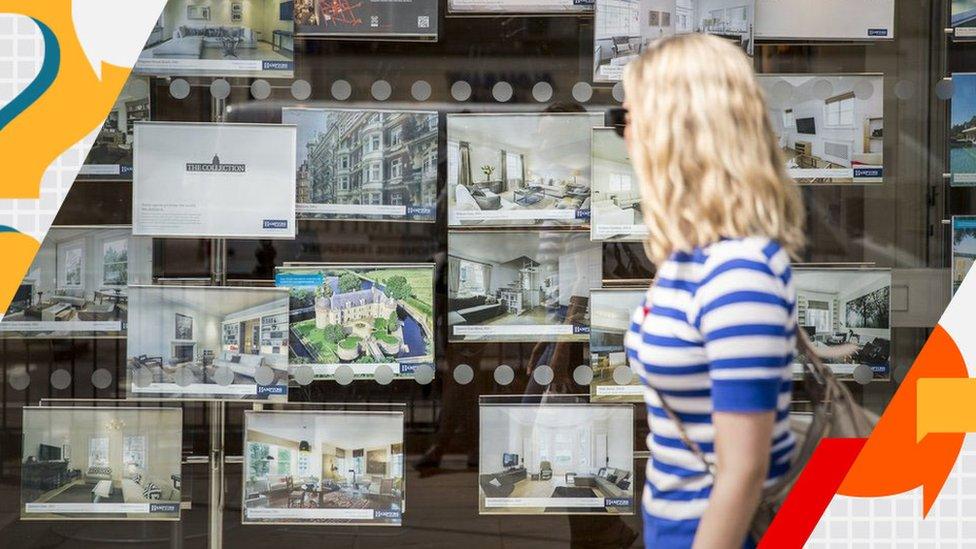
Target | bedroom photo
(189,342)
(521,286)
(519,169)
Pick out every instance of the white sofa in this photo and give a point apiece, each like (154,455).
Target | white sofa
(247,365)
(132,491)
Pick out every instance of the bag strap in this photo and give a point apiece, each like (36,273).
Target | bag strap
(813,364)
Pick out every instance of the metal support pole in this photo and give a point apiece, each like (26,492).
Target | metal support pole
(216,410)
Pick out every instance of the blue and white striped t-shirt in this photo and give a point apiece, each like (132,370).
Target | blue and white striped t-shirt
(716,333)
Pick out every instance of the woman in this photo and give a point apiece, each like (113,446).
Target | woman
(715,338)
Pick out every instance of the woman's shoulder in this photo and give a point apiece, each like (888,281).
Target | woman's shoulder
(742,263)
(755,249)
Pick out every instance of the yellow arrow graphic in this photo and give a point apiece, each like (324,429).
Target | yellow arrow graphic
(945,405)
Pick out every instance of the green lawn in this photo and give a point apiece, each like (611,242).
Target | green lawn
(420,279)
(350,342)
(326,350)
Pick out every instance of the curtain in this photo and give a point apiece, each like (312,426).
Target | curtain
(486,270)
(503,170)
(454,275)
(464,177)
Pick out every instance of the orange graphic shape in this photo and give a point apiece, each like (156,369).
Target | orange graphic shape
(18,253)
(75,104)
(892,462)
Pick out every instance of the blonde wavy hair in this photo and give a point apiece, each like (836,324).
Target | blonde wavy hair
(703,148)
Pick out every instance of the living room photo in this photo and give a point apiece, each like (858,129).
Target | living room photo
(365,164)
(360,316)
(101,463)
(830,128)
(611,311)
(558,459)
(341,468)
(623,29)
(521,286)
(77,284)
(615,213)
(246,38)
(519,169)
(110,157)
(188,342)
(848,306)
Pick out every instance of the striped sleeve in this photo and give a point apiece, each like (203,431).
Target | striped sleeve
(747,328)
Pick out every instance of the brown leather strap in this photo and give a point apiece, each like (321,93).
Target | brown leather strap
(812,364)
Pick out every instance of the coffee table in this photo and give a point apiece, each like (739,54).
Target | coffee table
(103,489)
(58,311)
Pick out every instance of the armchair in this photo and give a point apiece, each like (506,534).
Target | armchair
(545,470)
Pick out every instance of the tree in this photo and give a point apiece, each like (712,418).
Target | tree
(397,287)
(348,282)
(333,333)
(393,323)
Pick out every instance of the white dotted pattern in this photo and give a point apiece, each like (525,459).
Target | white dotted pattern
(896,521)
(21,56)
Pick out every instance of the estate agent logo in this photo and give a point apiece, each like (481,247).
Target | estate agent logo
(215,166)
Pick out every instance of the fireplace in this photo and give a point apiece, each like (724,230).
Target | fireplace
(183,352)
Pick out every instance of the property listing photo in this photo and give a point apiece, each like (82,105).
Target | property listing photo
(559,459)
(376,20)
(803,20)
(623,29)
(615,213)
(611,311)
(111,155)
(246,38)
(361,316)
(963,248)
(89,463)
(370,165)
(962,130)
(963,19)
(194,342)
(830,128)
(519,169)
(852,306)
(474,7)
(77,284)
(340,468)
(521,285)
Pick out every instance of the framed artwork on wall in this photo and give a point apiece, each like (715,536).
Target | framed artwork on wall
(184,327)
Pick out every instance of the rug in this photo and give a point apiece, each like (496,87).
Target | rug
(574,492)
(528,199)
(343,500)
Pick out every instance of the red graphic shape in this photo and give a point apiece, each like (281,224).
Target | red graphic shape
(812,493)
